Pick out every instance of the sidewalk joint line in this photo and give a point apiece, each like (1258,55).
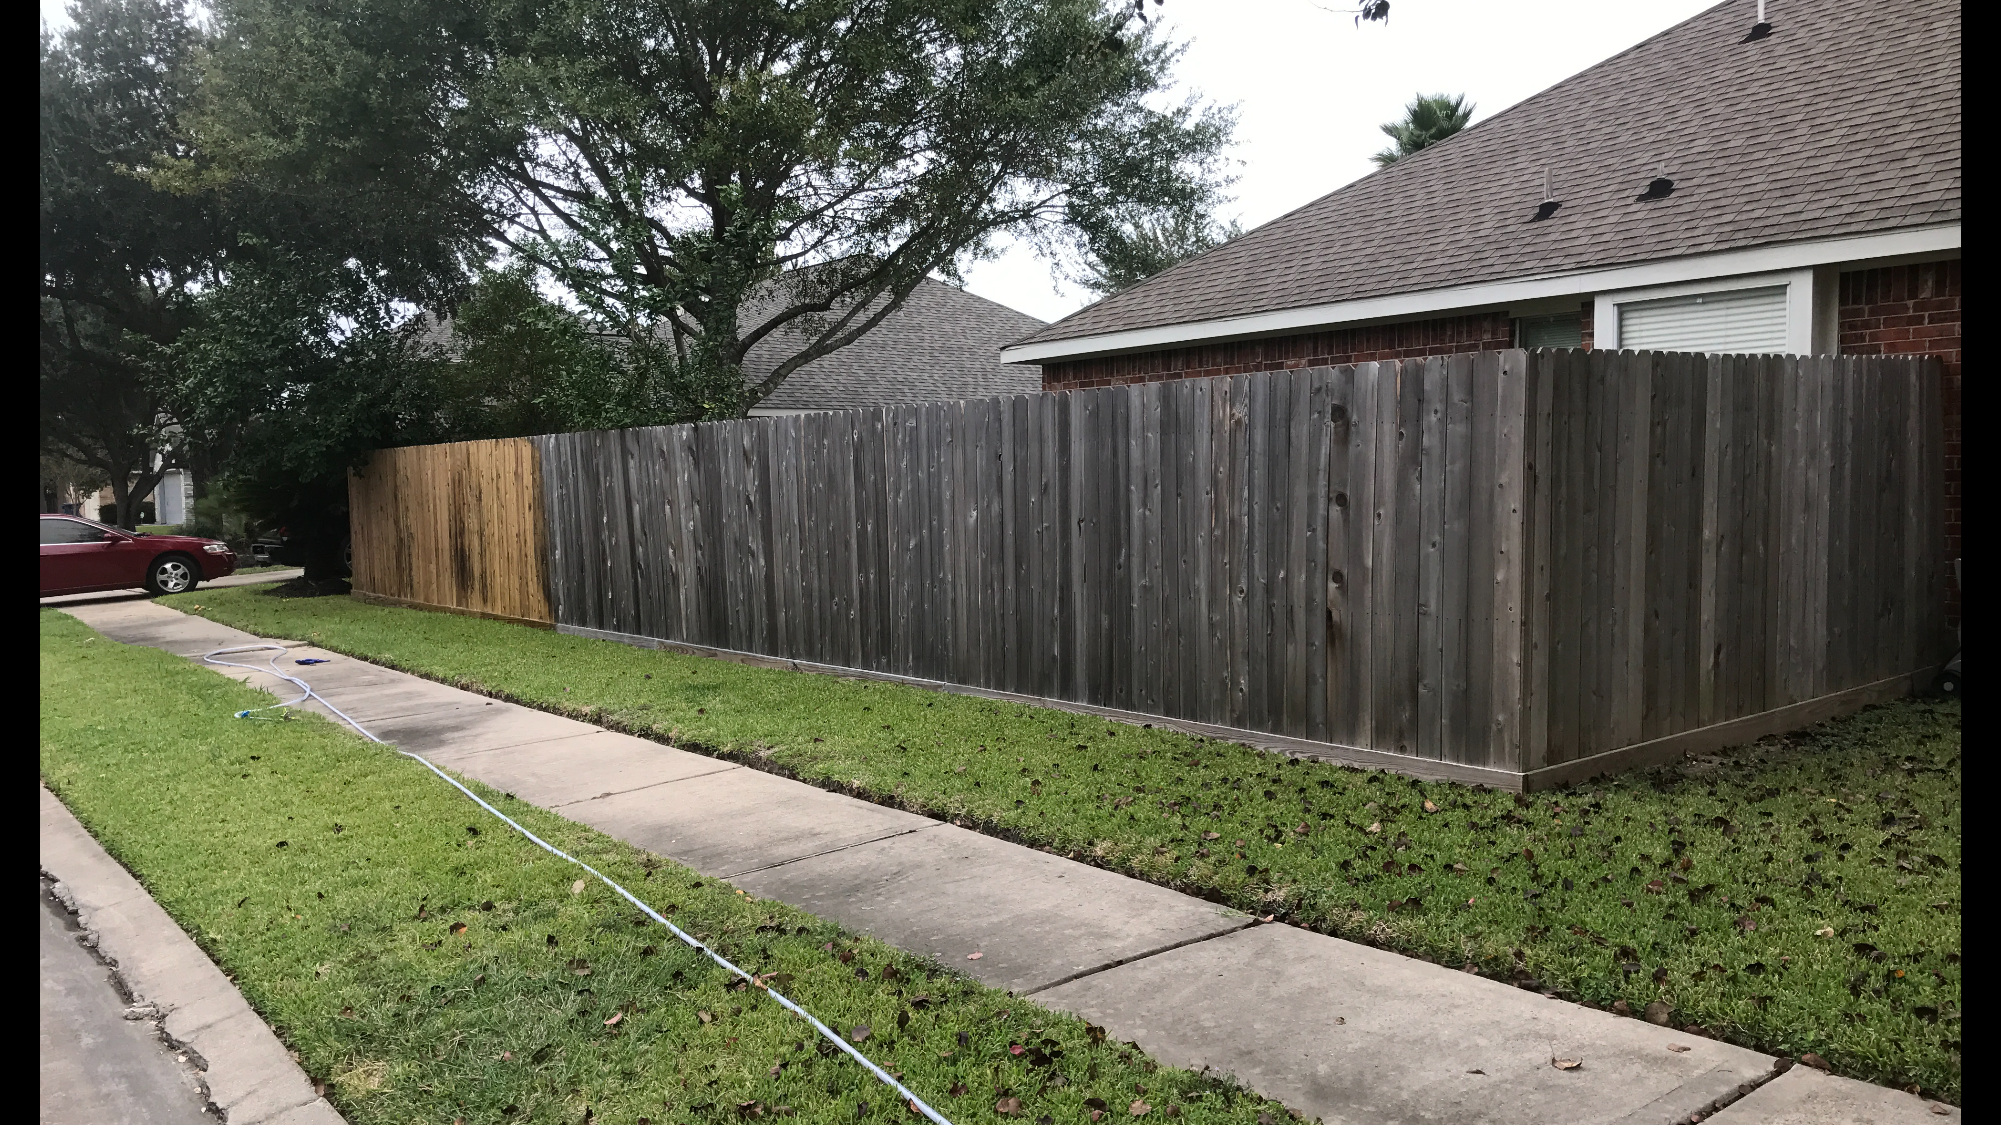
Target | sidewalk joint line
(1140,956)
(831,851)
(470,754)
(723,767)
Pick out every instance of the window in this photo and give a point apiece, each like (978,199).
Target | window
(1742,321)
(1564,330)
(72,531)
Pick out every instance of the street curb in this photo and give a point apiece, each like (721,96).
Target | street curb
(245,1072)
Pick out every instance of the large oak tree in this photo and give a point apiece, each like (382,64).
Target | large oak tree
(673,163)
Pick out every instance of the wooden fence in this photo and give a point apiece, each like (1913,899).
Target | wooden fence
(1727,544)
(457,527)
(1513,567)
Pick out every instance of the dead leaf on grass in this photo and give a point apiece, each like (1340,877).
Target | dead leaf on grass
(1429,807)
(615,1017)
(1008,1107)
(458,928)
(705,1017)
(1139,1108)
(860,1033)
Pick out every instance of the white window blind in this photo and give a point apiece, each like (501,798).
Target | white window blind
(1736,321)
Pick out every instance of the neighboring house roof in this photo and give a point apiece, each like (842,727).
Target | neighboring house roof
(1844,121)
(944,343)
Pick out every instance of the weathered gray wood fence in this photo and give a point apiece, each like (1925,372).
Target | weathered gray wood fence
(1508,562)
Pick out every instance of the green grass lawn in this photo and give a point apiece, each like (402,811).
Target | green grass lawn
(262,569)
(1799,895)
(430,965)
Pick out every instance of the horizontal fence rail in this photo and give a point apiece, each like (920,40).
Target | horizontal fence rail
(1508,561)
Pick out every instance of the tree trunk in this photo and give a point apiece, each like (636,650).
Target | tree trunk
(119,491)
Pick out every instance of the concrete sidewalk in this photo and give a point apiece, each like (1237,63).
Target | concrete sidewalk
(1336,1030)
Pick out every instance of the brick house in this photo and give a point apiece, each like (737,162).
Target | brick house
(1722,187)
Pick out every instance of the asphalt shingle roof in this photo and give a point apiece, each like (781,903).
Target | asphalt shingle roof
(944,343)
(1845,120)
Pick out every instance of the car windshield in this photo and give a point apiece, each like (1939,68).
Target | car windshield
(73,531)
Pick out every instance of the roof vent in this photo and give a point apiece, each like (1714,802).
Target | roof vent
(1548,206)
(1661,188)
(1760,29)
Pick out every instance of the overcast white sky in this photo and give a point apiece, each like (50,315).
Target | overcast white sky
(1311,89)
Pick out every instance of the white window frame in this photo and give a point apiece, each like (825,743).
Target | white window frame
(1800,305)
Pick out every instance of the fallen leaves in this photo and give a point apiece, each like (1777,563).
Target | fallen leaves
(861,1033)
(577,887)
(1008,1107)
(974,956)
(1139,1108)
(1565,1064)
(615,1017)
(1815,1061)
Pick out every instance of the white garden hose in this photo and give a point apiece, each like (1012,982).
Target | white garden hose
(916,1102)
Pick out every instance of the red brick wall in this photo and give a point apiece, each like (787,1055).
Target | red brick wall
(1476,333)
(1914,310)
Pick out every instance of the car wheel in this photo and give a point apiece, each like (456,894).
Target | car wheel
(172,574)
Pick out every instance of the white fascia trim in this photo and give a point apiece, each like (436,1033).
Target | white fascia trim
(1783,257)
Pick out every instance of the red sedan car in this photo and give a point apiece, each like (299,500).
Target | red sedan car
(79,555)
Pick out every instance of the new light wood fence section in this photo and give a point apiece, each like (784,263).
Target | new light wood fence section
(457,527)
(1511,567)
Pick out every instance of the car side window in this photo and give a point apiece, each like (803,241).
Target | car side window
(71,531)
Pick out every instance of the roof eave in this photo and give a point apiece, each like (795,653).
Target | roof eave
(1934,239)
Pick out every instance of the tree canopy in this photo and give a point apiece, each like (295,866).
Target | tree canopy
(668,161)
(119,258)
(1427,120)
